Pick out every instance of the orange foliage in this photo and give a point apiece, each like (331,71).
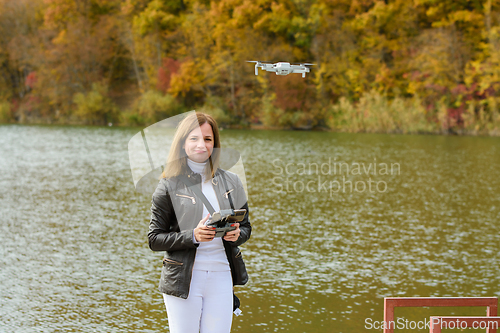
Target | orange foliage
(169,67)
(292,92)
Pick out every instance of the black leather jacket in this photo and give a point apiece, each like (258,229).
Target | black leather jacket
(175,212)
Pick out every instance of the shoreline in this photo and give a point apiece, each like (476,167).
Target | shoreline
(261,127)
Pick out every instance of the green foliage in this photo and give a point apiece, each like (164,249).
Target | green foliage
(151,107)
(214,107)
(95,107)
(483,118)
(376,113)
(158,15)
(271,115)
(5,112)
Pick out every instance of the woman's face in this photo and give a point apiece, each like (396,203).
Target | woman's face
(199,143)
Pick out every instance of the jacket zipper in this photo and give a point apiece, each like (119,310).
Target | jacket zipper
(193,200)
(227,193)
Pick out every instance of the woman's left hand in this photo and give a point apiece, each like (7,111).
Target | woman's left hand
(232,236)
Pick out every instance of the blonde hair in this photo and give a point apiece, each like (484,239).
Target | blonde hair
(177,158)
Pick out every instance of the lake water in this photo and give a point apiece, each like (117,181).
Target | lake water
(340,221)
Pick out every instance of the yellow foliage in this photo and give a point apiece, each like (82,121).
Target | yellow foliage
(189,78)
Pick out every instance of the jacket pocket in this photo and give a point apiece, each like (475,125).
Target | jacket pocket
(171,277)
(168,261)
(172,273)
(240,275)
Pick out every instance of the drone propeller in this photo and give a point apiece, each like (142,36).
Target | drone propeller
(307,64)
(261,61)
(257,64)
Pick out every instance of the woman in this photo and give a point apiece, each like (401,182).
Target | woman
(199,270)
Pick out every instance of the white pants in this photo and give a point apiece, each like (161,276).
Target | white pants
(208,308)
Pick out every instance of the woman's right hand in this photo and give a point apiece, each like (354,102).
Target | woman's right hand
(204,233)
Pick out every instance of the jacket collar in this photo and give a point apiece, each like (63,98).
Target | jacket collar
(196,177)
(193,176)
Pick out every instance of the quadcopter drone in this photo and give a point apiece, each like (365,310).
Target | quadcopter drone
(282,68)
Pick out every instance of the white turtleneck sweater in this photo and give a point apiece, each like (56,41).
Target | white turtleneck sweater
(210,256)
